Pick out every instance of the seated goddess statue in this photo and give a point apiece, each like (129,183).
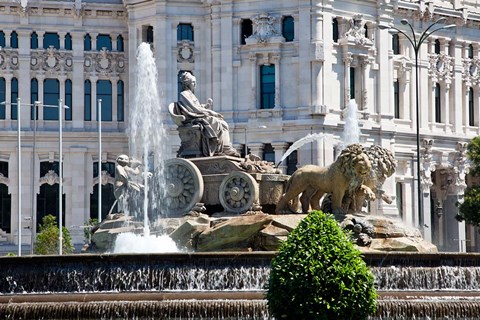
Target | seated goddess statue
(214,129)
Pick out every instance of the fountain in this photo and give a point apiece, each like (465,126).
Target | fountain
(214,285)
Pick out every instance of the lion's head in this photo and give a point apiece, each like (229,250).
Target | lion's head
(355,164)
(383,163)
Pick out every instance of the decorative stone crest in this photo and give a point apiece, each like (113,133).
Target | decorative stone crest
(264,28)
(440,67)
(185,51)
(104,62)
(3,180)
(427,166)
(356,31)
(471,71)
(50,178)
(8,59)
(51,60)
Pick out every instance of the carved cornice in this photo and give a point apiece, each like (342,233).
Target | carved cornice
(104,62)
(64,9)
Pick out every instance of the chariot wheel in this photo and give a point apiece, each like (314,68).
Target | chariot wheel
(183,187)
(238,192)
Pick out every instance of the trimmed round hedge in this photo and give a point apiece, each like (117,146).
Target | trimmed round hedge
(319,274)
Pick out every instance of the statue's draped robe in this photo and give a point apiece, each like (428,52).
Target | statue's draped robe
(215,131)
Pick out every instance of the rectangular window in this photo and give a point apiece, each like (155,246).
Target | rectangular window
(396,44)
(438,104)
(14,97)
(120,101)
(120,43)
(51,94)
(471,108)
(2,98)
(87,101)
(399,198)
(68,42)
(267,87)
(51,39)
(14,40)
(184,32)
(352,83)
(33,97)
(335,32)
(247,30)
(104,92)
(104,41)
(68,100)
(87,43)
(396,98)
(2,39)
(288,30)
(34,41)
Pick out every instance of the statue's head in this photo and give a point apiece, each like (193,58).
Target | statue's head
(189,82)
(123,160)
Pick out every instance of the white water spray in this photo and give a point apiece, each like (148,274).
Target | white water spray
(299,143)
(147,142)
(351,131)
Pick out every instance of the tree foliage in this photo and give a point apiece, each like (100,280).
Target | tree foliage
(469,209)
(318,274)
(47,238)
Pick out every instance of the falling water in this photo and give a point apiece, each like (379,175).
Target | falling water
(351,131)
(299,143)
(147,135)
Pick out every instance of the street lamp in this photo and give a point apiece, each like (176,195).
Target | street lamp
(416,43)
(99,111)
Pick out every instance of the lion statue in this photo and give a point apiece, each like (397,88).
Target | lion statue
(346,174)
(383,166)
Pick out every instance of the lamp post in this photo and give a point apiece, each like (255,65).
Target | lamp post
(416,43)
(99,102)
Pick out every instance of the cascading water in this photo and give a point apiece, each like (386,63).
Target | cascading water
(147,136)
(351,130)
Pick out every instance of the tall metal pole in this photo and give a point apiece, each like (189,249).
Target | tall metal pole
(34,205)
(99,160)
(60,170)
(19,158)
(246,147)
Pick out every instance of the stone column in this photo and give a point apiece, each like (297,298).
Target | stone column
(347,61)
(61,36)
(62,80)
(458,87)
(276,61)
(114,98)
(114,41)
(79,196)
(40,79)
(93,80)
(427,167)
(8,97)
(40,35)
(253,83)
(446,107)
(226,56)
(217,53)
(256,148)
(78,81)
(94,36)
(279,148)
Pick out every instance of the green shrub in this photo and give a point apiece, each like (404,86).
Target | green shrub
(47,238)
(318,274)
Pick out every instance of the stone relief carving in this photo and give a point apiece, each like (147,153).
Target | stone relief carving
(185,51)
(427,166)
(356,30)
(461,167)
(78,8)
(264,28)
(440,68)
(104,62)
(51,60)
(8,59)
(471,71)
(50,178)
(105,178)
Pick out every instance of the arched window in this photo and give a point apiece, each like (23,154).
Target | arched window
(108,197)
(2,39)
(396,44)
(14,40)
(335,29)
(246,31)
(288,28)
(68,42)
(87,101)
(2,98)
(104,41)
(120,45)
(352,83)
(51,94)
(68,100)
(267,87)
(396,98)
(47,199)
(437,46)
(104,92)
(470,51)
(365,27)
(33,97)
(5,200)
(471,108)
(120,101)
(34,40)
(51,39)
(14,97)
(87,43)
(438,104)
(184,32)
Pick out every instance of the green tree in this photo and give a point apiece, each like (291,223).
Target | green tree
(47,238)
(469,209)
(318,274)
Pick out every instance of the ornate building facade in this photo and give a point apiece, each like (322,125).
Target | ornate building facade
(276,70)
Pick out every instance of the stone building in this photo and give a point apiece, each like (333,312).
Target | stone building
(277,70)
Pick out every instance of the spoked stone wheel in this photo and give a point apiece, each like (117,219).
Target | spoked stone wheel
(238,192)
(183,186)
